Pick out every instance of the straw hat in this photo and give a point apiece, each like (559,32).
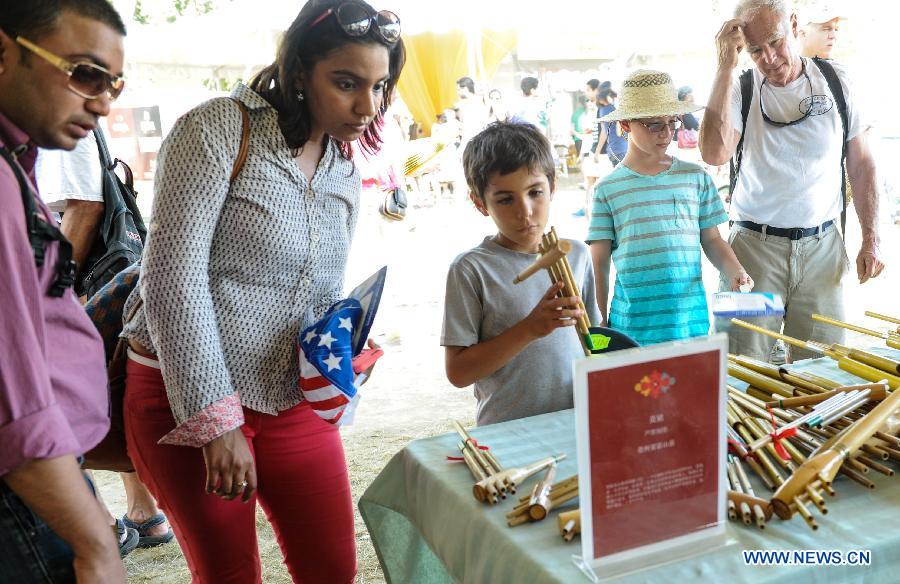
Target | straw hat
(648,94)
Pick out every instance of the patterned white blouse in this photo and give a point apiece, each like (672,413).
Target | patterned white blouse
(230,276)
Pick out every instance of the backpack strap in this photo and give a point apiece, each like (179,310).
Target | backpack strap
(40,232)
(837,92)
(245,141)
(746,84)
(129,200)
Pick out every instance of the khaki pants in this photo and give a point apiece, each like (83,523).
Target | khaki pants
(806,273)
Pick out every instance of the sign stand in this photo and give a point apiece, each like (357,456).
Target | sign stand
(650,434)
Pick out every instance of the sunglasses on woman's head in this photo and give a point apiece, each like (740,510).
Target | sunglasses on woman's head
(86,79)
(356,19)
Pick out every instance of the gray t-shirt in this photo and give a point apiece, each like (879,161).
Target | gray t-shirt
(482,302)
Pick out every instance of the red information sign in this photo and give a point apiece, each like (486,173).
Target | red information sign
(650,446)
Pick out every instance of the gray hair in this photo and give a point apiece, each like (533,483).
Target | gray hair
(746,9)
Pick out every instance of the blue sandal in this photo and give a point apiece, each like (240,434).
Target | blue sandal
(144,528)
(128,539)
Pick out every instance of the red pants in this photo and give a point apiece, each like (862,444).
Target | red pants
(303,488)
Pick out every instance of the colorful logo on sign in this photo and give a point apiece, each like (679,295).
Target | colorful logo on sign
(655,384)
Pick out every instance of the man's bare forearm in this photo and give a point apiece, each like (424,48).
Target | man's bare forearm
(717,137)
(864,183)
(56,490)
(80,224)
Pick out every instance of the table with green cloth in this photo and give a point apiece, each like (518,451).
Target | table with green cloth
(426,526)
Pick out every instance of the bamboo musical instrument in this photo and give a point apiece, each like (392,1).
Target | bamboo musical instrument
(892,339)
(553,258)
(508,480)
(878,391)
(837,352)
(569,524)
(482,465)
(884,318)
(536,509)
(819,470)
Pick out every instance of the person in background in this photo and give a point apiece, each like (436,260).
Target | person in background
(498,112)
(232,272)
(472,112)
(818,24)
(687,136)
(532,108)
(71,184)
(61,66)
(611,139)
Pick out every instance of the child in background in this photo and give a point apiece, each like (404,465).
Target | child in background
(514,342)
(652,215)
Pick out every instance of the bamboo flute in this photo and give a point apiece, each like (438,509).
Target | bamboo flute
(743,506)
(762,457)
(481,468)
(821,467)
(569,524)
(761,367)
(739,447)
(844,361)
(884,317)
(549,256)
(760,381)
(878,393)
(759,511)
(892,339)
(809,378)
(553,258)
(565,267)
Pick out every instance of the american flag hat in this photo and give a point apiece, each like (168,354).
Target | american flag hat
(331,350)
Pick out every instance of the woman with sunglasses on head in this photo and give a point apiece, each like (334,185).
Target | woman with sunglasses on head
(233,270)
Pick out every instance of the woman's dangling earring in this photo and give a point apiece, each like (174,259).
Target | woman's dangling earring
(300,96)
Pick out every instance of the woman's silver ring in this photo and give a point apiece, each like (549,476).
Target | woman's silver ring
(242,484)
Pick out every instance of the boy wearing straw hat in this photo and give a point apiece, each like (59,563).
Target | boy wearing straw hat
(512,342)
(652,216)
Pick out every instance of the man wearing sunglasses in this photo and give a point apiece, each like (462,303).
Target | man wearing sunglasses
(788,198)
(60,67)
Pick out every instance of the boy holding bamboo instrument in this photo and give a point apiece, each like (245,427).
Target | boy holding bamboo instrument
(652,215)
(513,342)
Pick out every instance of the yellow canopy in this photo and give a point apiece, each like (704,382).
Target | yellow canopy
(434,61)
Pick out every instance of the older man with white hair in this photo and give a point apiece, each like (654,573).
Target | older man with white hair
(796,125)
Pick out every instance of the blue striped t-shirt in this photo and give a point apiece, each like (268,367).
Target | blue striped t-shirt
(654,223)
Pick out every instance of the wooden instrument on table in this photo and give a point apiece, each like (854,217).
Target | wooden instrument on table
(860,363)
(878,391)
(884,318)
(891,338)
(554,259)
(570,524)
(543,498)
(492,481)
(818,471)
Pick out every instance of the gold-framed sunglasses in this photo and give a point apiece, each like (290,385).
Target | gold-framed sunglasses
(86,79)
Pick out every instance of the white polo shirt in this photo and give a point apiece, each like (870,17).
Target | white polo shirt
(791,176)
(74,174)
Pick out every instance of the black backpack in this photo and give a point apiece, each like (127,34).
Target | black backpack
(834,85)
(122,234)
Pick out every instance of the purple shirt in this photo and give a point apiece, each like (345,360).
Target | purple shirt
(53,397)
